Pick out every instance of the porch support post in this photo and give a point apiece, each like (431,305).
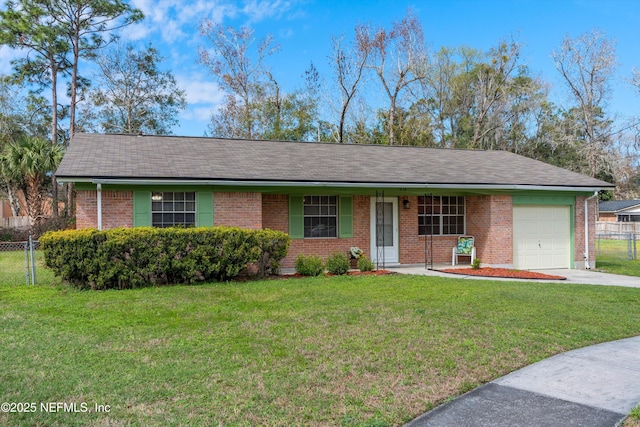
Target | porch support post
(99,205)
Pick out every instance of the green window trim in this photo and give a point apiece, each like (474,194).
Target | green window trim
(296,217)
(142,208)
(204,209)
(345,216)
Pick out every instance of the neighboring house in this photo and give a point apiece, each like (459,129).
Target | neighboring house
(619,211)
(399,204)
(7,219)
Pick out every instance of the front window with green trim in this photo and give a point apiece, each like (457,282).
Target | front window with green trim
(170,209)
(320,216)
(441,215)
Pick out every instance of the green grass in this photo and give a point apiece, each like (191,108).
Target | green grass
(612,257)
(346,351)
(12,269)
(634,418)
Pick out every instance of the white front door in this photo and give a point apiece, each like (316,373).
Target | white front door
(384,230)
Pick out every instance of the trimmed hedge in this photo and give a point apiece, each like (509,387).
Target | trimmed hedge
(124,258)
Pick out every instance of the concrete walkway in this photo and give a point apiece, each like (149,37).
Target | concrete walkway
(595,386)
(586,277)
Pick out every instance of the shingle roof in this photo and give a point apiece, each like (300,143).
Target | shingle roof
(617,205)
(191,158)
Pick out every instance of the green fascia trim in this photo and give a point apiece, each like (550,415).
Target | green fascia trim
(563,200)
(554,200)
(328,190)
(150,188)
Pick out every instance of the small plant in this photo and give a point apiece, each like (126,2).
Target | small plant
(338,263)
(309,265)
(355,252)
(365,264)
(475,264)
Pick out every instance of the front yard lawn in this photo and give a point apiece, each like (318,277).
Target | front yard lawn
(346,351)
(612,257)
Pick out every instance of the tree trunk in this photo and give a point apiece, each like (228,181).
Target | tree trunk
(54,130)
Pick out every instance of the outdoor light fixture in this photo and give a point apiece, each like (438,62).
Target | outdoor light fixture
(156,197)
(405,203)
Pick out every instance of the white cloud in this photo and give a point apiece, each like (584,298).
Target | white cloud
(258,10)
(174,20)
(200,89)
(200,114)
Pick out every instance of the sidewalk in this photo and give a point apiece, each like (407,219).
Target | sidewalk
(595,386)
(586,277)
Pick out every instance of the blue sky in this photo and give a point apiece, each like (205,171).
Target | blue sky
(304,28)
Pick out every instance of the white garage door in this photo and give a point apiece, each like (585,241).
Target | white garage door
(541,237)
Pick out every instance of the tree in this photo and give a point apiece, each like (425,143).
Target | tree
(348,64)
(398,58)
(241,76)
(587,64)
(51,31)
(83,23)
(132,94)
(19,116)
(27,25)
(286,116)
(29,162)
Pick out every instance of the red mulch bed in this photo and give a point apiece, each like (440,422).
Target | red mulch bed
(502,272)
(349,273)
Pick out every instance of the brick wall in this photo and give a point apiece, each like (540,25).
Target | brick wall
(412,246)
(238,210)
(117,209)
(490,222)
(275,212)
(276,216)
(86,209)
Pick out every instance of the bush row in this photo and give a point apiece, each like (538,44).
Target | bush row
(123,258)
(337,263)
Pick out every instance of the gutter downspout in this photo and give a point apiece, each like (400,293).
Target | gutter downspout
(99,205)
(586,231)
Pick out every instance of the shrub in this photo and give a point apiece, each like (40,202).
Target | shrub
(123,258)
(273,248)
(338,263)
(365,264)
(309,265)
(475,264)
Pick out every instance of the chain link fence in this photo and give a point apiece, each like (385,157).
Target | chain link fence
(618,246)
(18,262)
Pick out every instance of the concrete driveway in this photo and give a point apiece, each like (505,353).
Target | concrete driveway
(586,277)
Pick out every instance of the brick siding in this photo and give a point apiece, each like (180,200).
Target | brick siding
(238,210)
(276,217)
(117,209)
(489,219)
(490,222)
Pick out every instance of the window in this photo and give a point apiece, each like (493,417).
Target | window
(169,209)
(320,216)
(440,215)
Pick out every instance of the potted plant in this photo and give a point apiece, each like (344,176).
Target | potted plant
(354,254)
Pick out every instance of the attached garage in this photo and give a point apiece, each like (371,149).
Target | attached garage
(541,237)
